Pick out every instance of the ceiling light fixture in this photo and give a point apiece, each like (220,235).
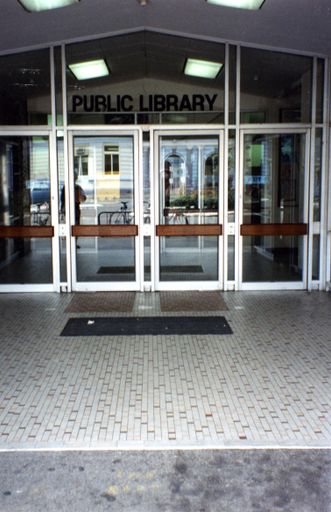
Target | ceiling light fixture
(202,68)
(45,5)
(143,2)
(89,69)
(239,4)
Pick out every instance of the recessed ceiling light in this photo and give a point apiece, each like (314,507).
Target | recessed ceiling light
(239,4)
(89,69)
(202,68)
(44,5)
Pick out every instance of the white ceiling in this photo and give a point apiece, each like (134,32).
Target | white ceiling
(303,25)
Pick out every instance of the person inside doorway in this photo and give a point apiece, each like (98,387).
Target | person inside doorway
(80,197)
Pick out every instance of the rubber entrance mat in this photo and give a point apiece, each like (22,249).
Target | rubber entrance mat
(102,302)
(192,301)
(138,326)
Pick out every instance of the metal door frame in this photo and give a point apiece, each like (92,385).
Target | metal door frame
(75,285)
(156,133)
(279,285)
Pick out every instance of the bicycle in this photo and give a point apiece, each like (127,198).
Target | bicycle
(123,216)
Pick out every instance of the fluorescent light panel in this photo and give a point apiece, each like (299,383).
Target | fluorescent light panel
(239,4)
(202,68)
(89,69)
(45,5)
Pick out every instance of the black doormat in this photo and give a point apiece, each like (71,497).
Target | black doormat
(153,325)
(185,269)
(116,270)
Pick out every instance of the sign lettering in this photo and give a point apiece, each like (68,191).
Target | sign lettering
(149,103)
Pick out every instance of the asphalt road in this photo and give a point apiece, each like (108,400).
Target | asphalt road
(166,481)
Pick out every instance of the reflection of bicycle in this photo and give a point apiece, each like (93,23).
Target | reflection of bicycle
(123,216)
(176,216)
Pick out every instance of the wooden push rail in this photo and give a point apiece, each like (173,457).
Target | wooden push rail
(105,230)
(273,229)
(26,231)
(189,230)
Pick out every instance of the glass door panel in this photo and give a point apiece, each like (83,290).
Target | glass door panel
(25,212)
(189,223)
(103,211)
(274,212)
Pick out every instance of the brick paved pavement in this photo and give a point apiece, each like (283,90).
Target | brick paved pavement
(268,384)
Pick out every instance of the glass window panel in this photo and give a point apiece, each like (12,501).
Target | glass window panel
(105,259)
(63,260)
(320,91)
(274,174)
(317,174)
(232,83)
(232,176)
(189,258)
(146,178)
(25,181)
(58,86)
(189,180)
(316,257)
(275,87)
(147,258)
(231,257)
(146,82)
(272,258)
(60,171)
(25,93)
(26,261)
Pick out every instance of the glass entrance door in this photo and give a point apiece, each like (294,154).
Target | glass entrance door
(103,203)
(274,210)
(189,210)
(26,228)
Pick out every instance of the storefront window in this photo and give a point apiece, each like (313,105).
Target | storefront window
(25,92)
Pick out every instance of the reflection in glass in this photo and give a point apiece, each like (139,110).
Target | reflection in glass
(272,258)
(274,166)
(189,258)
(26,261)
(100,259)
(275,87)
(189,180)
(104,180)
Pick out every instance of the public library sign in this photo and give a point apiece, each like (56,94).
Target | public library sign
(150,103)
